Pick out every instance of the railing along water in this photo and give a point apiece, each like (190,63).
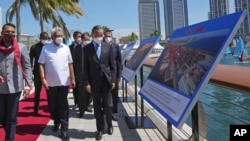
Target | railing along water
(221,104)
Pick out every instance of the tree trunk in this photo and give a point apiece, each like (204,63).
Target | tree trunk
(18,20)
(41,16)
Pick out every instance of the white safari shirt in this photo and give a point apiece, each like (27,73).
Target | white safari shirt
(56,60)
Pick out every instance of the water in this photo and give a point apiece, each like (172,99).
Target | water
(232,60)
(224,106)
(229,107)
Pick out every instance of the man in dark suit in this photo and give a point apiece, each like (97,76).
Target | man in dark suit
(100,74)
(73,46)
(86,40)
(83,97)
(117,55)
(35,51)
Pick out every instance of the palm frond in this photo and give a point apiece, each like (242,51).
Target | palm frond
(11,11)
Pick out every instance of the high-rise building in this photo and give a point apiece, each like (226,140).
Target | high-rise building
(243,5)
(1,19)
(149,17)
(175,15)
(218,8)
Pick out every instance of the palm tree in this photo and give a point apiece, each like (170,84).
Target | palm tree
(47,10)
(105,29)
(155,33)
(18,21)
(15,6)
(133,37)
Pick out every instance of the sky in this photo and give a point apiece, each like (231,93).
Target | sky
(119,15)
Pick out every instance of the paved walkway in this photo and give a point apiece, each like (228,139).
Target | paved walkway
(85,128)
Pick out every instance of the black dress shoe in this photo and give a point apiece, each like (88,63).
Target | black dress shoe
(98,135)
(65,136)
(81,114)
(114,118)
(35,112)
(55,128)
(89,109)
(51,117)
(75,107)
(110,130)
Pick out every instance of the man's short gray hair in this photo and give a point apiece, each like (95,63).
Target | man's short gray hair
(56,29)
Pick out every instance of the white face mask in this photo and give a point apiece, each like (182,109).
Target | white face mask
(98,40)
(44,42)
(108,39)
(59,40)
(86,42)
(78,40)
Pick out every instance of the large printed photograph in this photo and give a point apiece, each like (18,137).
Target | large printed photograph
(127,50)
(140,54)
(184,63)
(137,59)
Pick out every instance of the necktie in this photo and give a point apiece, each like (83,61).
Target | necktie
(98,51)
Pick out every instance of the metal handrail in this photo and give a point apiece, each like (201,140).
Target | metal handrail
(218,110)
(243,107)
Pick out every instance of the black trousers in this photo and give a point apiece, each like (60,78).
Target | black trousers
(38,87)
(115,98)
(75,94)
(9,104)
(102,102)
(59,105)
(88,98)
(81,97)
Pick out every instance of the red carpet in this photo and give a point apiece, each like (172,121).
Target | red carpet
(29,126)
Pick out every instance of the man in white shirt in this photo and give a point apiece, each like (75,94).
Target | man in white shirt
(56,71)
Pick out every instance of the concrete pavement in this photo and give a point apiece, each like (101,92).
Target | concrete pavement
(85,128)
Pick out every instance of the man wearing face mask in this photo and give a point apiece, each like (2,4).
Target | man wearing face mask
(86,39)
(56,71)
(77,41)
(100,77)
(117,55)
(15,68)
(82,96)
(35,51)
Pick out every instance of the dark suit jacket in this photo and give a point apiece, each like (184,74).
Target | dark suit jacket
(72,48)
(35,51)
(118,59)
(79,63)
(93,67)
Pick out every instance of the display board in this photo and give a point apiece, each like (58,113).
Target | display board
(127,50)
(138,58)
(186,65)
